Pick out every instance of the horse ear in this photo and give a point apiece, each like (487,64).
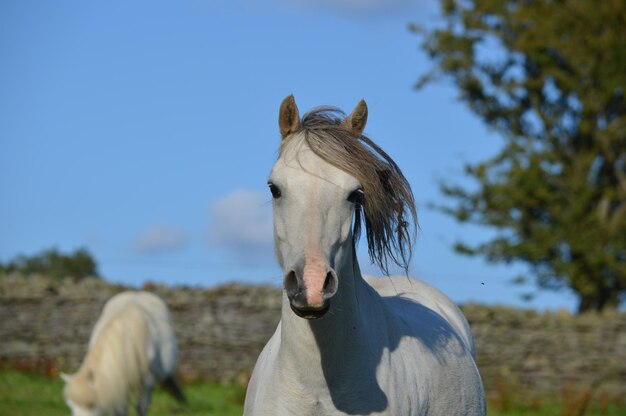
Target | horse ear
(355,122)
(65,377)
(288,117)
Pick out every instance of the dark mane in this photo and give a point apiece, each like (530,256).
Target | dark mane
(389,207)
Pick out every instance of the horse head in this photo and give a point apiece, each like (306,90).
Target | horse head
(313,205)
(79,394)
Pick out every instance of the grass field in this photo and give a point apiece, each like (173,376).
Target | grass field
(29,395)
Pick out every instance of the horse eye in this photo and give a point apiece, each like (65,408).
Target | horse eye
(275,190)
(356,196)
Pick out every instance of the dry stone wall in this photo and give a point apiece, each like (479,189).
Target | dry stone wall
(550,352)
(45,323)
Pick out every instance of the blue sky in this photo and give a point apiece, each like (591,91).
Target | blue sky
(145,131)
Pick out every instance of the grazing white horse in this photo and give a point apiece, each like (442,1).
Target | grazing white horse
(348,344)
(132,347)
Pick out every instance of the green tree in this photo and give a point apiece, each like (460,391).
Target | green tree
(50,262)
(550,77)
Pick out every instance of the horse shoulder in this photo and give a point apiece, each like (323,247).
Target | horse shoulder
(421,293)
(161,345)
(435,348)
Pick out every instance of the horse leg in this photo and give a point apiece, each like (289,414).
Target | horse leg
(145,396)
(172,387)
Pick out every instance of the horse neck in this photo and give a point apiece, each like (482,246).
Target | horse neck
(114,371)
(93,358)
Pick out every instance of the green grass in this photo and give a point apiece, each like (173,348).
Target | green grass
(27,395)
(558,409)
(22,394)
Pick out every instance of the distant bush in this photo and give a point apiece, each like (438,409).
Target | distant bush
(51,262)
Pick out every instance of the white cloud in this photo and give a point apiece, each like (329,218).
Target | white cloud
(160,238)
(241,223)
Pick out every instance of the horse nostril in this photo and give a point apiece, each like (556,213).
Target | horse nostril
(327,281)
(291,283)
(330,284)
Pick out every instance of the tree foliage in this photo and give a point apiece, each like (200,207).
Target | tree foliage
(550,76)
(50,262)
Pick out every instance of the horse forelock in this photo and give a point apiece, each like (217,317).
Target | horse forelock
(388,212)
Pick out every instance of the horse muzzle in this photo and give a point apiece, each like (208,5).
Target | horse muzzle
(309,296)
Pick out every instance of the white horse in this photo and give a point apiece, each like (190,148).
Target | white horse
(348,344)
(132,347)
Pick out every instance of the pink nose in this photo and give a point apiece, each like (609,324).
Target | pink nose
(310,290)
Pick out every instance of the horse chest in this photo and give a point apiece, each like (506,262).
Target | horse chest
(293,399)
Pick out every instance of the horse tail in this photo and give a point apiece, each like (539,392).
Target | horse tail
(172,387)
